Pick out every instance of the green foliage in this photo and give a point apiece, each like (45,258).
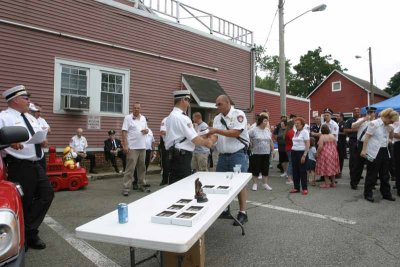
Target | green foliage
(312,69)
(393,87)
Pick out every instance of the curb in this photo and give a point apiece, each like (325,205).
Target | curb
(113,175)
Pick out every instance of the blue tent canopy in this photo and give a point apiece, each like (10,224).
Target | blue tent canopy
(393,103)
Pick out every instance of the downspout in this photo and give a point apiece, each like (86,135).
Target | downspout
(252,79)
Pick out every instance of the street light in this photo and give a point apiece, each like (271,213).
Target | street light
(371,77)
(282,59)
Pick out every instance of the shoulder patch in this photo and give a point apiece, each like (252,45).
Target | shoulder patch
(240,118)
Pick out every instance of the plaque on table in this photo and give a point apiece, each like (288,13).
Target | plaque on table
(163,217)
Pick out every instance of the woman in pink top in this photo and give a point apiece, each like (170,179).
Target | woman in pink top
(289,133)
(327,157)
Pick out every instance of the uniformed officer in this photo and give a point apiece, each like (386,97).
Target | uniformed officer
(23,165)
(396,153)
(375,150)
(163,152)
(79,144)
(341,144)
(361,126)
(181,138)
(230,130)
(333,126)
(352,134)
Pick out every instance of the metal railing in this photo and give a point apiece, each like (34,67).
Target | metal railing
(196,17)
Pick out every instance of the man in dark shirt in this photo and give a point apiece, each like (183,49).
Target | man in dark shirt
(341,142)
(352,134)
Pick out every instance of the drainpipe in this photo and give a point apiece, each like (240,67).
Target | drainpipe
(253,78)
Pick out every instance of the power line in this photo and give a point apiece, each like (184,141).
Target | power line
(270,28)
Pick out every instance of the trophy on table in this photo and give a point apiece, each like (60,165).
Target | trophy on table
(199,195)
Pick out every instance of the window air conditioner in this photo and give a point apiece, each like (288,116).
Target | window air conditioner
(75,103)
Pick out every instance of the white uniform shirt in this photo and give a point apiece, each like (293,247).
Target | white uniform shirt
(260,141)
(179,126)
(149,140)
(199,128)
(163,126)
(333,128)
(235,119)
(11,117)
(299,139)
(78,144)
(361,129)
(43,123)
(396,129)
(379,137)
(133,127)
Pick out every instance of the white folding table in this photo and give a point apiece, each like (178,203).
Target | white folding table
(140,232)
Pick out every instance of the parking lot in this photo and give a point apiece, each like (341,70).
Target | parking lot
(329,227)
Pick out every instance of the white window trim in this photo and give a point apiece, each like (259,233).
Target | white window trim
(94,81)
(340,86)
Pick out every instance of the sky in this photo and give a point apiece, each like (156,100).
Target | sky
(345,29)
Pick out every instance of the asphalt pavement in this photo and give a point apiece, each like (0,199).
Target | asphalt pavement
(328,227)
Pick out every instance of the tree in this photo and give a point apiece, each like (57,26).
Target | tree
(268,66)
(312,69)
(393,87)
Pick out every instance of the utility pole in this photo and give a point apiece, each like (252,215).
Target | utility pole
(371,77)
(282,59)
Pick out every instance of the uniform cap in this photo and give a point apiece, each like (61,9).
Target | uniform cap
(14,92)
(111,132)
(181,94)
(369,108)
(328,110)
(33,108)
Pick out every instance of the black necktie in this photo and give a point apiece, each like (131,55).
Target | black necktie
(113,145)
(38,149)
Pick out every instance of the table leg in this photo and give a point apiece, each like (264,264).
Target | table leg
(180,260)
(132,253)
(236,220)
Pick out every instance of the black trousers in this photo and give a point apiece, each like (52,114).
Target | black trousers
(113,159)
(396,154)
(359,165)
(91,157)
(299,170)
(38,192)
(353,155)
(392,165)
(146,163)
(341,147)
(164,164)
(180,165)
(380,166)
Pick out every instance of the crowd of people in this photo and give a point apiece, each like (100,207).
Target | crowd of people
(186,145)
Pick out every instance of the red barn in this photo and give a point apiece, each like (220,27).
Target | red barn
(270,100)
(342,92)
(87,62)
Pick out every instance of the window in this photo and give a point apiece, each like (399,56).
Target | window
(336,86)
(107,88)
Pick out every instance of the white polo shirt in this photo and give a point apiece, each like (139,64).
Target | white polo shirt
(163,126)
(361,129)
(133,126)
(149,140)
(299,139)
(43,123)
(235,119)
(333,128)
(12,117)
(78,144)
(179,126)
(379,137)
(396,129)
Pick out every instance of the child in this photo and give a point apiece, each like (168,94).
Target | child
(311,162)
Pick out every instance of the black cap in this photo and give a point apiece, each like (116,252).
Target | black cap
(111,132)
(369,108)
(328,110)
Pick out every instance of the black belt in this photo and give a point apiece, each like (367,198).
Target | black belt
(239,151)
(179,152)
(11,159)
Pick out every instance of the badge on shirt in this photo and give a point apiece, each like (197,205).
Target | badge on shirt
(240,118)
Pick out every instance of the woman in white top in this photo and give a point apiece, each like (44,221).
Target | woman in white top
(262,146)
(301,145)
(375,150)
(396,153)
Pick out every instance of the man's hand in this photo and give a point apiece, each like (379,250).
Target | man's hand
(125,150)
(363,153)
(17,146)
(82,154)
(44,143)
(211,131)
(145,131)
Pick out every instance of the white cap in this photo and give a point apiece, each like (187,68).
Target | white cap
(14,92)
(181,93)
(33,108)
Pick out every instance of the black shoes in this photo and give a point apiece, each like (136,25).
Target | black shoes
(354,187)
(36,243)
(144,189)
(93,171)
(135,186)
(390,198)
(242,218)
(370,198)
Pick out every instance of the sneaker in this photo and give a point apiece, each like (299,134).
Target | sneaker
(267,187)
(144,189)
(284,174)
(125,193)
(254,188)
(289,182)
(242,218)
(305,192)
